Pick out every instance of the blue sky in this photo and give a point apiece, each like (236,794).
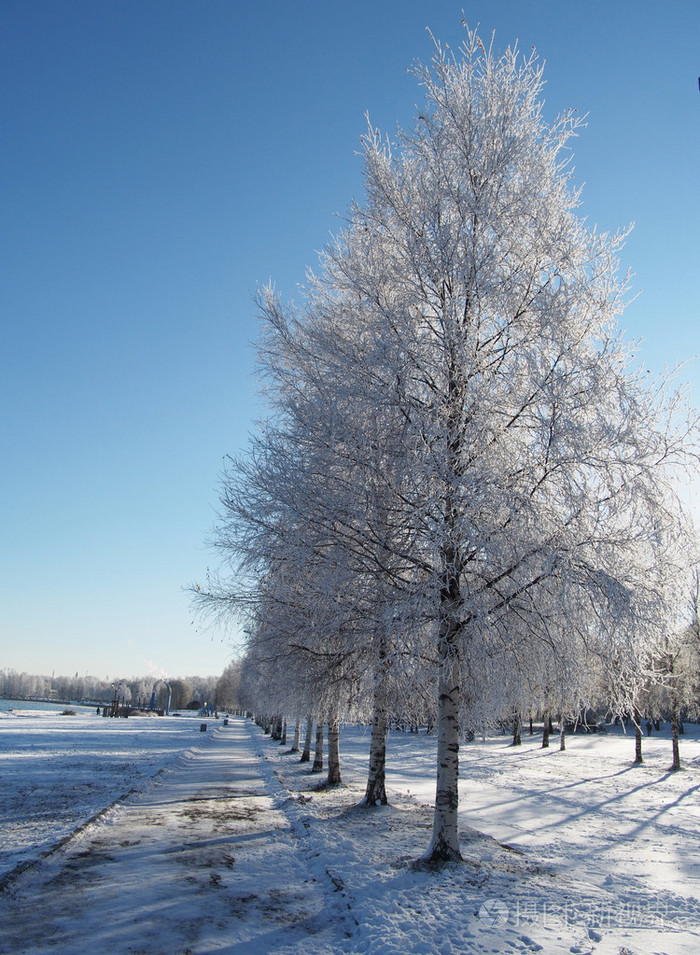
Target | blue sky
(158,161)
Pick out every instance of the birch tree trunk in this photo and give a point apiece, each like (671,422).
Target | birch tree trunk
(297,736)
(562,734)
(517,730)
(445,841)
(444,846)
(306,753)
(334,778)
(675,720)
(545,731)
(638,737)
(318,755)
(375,793)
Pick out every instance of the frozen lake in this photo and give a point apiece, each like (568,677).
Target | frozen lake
(37,706)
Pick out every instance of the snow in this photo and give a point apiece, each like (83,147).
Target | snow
(222,842)
(58,771)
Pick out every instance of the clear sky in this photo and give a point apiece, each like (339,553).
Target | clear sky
(159,159)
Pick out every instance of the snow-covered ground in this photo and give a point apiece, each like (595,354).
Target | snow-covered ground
(57,772)
(227,846)
(607,848)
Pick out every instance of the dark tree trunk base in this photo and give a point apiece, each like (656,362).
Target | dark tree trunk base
(438,856)
(374,797)
(373,801)
(306,752)
(324,784)
(675,721)
(638,758)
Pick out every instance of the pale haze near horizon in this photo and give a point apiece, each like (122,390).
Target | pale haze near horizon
(161,160)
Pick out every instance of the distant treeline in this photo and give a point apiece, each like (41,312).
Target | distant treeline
(137,692)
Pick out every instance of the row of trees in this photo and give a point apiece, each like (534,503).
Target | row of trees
(135,691)
(670,691)
(462,500)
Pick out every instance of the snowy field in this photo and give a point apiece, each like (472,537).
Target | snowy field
(576,852)
(606,848)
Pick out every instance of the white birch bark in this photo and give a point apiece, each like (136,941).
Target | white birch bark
(444,846)
(375,792)
(297,736)
(334,776)
(317,766)
(306,752)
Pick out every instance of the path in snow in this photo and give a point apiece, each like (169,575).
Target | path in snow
(234,849)
(199,862)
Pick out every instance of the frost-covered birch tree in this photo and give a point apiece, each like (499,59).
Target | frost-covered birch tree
(534,455)
(460,448)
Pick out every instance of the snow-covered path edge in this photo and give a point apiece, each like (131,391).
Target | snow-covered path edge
(295,805)
(61,774)
(9,877)
(65,835)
